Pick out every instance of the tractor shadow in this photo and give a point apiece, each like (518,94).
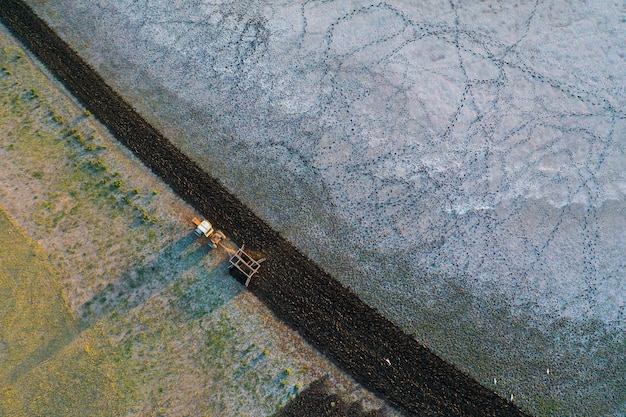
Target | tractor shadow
(139,284)
(136,286)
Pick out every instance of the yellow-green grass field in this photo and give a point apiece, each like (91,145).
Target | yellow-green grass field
(47,367)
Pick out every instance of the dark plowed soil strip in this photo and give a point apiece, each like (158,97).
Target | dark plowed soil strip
(358,339)
(317,401)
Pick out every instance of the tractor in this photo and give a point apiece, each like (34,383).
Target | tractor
(242,264)
(204,227)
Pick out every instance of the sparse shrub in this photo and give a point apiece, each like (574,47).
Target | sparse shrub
(146,217)
(57,118)
(69,131)
(87,113)
(298,386)
(118,184)
(178,290)
(135,191)
(266,352)
(38,175)
(288,371)
(155,192)
(97,165)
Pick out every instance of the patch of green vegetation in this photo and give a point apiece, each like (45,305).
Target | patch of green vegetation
(82,170)
(145,216)
(58,119)
(220,337)
(97,165)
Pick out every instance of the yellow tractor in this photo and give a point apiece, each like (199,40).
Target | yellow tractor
(203,227)
(242,264)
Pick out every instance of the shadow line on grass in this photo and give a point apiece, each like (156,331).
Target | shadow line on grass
(139,284)
(130,290)
(133,289)
(45,352)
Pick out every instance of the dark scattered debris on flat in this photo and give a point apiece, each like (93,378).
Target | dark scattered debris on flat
(317,401)
(353,335)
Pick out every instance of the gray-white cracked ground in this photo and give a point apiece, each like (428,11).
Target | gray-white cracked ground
(462,166)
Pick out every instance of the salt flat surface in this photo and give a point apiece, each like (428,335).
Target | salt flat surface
(461,166)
